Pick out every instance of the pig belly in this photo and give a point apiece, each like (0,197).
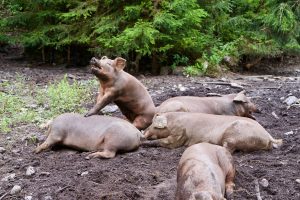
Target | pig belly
(84,141)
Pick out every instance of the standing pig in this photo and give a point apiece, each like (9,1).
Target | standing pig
(103,134)
(206,172)
(124,90)
(231,104)
(177,129)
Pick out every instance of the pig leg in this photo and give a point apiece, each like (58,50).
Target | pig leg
(111,143)
(50,141)
(226,163)
(172,141)
(102,154)
(101,102)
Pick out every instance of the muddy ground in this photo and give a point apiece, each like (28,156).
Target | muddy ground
(150,173)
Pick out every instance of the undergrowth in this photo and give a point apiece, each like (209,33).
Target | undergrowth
(21,102)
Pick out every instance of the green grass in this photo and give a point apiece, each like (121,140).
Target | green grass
(21,102)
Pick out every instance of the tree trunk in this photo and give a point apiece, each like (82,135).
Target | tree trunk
(43,54)
(155,67)
(136,63)
(69,56)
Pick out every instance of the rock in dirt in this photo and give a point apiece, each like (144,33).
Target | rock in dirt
(28,198)
(289,133)
(291,100)
(9,177)
(45,174)
(264,182)
(48,198)
(110,109)
(298,180)
(274,115)
(2,150)
(16,189)
(84,173)
(30,171)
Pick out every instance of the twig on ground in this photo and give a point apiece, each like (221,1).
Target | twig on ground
(242,189)
(270,87)
(231,84)
(257,190)
(61,189)
(289,149)
(4,195)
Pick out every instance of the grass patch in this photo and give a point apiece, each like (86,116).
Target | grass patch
(25,103)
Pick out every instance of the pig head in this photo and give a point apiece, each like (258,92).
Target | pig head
(232,104)
(205,171)
(175,129)
(124,90)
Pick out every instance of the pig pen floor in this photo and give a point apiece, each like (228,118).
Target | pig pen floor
(150,173)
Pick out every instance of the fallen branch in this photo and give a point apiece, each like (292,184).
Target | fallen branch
(257,190)
(61,189)
(4,195)
(234,85)
(213,94)
(271,87)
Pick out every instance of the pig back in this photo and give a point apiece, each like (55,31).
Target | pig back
(133,99)
(199,170)
(209,105)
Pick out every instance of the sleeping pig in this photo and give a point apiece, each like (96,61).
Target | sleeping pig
(231,104)
(206,172)
(175,129)
(124,90)
(103,134)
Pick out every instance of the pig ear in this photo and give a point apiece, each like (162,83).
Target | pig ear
(104,57)
(119,63)
(240,97)
(160,121)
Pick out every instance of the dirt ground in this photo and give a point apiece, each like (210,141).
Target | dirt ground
(150,173)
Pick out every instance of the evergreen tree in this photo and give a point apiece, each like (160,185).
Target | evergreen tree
(169,32)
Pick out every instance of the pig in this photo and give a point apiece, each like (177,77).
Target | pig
(231,104)
(175,129)
(124,90)
(104,134)
(205,171)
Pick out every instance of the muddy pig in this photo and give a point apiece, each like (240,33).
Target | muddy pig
(231,104)
(206,172)
(175,129)
(103,134)
(124,90)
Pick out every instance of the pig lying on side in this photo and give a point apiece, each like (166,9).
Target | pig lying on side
(124,90)
(103,134)
(231,104)
(177,129)
(206,172)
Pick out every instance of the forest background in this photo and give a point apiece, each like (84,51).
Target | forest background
(205,36)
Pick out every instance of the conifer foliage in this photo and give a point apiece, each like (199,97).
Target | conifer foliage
(201,33)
